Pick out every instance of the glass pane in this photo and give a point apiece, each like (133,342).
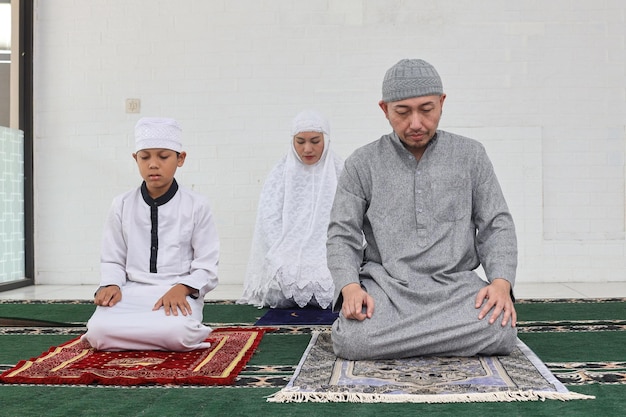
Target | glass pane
(11,205)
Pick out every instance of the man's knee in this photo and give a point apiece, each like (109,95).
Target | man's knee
(345,349)
(349,342)
(508,340)
(504,341)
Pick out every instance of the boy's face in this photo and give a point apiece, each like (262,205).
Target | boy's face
(157,167)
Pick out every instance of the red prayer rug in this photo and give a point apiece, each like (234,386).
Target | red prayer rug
(75,362)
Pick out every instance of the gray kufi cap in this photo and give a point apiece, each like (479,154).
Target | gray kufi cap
(411,78)
(158,133)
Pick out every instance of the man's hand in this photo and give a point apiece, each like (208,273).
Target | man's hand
(355,299)
(108,296)
(175,299)
(497,296)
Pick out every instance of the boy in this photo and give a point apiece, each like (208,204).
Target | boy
(159,255)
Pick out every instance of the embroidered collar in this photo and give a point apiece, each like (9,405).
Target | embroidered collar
(159,201)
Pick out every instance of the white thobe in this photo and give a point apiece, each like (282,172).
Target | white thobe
(183,248)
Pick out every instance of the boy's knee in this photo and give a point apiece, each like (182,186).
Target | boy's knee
(97,333)
(186,335)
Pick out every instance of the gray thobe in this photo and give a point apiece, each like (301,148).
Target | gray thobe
(428,225)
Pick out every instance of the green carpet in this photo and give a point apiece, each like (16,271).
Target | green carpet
(549,329)
(565,311)
(577,346)
(79,312)
(83,401)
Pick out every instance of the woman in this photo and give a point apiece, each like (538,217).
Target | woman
(287,265)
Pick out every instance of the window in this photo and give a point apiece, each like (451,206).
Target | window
(16,144)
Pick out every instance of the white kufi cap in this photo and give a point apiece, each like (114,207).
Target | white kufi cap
(158,133)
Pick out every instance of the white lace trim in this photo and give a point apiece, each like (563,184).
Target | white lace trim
(288,255)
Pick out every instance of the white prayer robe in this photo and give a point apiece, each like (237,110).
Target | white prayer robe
(287,265)
(187,253)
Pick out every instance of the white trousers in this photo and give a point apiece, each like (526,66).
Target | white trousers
(132,325)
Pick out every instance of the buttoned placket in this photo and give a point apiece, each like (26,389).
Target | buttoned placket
(419,192)
(154,236)
(154,219)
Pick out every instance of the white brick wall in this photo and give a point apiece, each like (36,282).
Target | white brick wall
(541,84)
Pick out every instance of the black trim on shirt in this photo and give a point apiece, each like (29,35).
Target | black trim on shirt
(154,204)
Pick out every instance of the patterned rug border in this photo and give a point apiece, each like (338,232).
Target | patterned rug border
(570,300)
(257,376)
(602,322)
(523,327)
(90,301)
(579,378)
(573,326)
(81,325)
(325,393)
(234,302)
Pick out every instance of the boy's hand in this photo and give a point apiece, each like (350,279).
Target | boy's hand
(108,296)
(175,299)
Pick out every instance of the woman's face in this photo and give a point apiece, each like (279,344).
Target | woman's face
(309,146)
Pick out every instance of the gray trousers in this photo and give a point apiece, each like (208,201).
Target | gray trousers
(424,317)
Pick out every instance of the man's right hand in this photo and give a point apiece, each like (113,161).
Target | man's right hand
(108,296)
(355,300)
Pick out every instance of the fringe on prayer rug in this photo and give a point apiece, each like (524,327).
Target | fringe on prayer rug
(322,377)
(75,362)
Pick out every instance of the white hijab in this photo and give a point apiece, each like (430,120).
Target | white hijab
(287,263)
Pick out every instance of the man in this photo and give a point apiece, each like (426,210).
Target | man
(431,210)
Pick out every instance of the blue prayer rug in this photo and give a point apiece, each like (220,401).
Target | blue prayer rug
(322,377)
(297,316)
